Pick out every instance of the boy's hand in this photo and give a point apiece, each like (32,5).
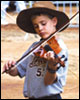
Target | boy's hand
(49,55)
(51,59)
(7,66)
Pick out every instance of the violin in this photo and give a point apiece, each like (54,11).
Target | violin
(52,45)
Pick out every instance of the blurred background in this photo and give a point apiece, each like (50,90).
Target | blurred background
(14,42)
(7,7)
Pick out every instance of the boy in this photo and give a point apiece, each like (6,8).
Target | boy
(44,78)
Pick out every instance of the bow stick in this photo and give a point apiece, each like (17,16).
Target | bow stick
(42,43)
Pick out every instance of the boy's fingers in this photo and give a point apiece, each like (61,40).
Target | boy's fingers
(13,62)
(49,55)
(5,67)
(8,65)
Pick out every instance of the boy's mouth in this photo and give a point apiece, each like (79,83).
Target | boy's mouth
(42,33)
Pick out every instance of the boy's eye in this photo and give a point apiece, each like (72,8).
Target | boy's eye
(43,23)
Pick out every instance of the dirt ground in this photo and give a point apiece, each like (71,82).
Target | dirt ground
(13,45)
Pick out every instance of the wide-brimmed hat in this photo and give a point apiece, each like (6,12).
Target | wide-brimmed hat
(24,17)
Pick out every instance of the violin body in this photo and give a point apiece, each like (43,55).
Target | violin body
(52,45)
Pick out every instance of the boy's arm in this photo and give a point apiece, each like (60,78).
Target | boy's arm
(50,76)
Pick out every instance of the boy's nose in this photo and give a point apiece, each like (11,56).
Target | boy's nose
(40,27)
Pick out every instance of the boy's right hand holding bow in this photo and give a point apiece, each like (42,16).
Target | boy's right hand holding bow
(9,68)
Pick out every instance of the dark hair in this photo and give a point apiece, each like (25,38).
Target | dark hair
(41,13)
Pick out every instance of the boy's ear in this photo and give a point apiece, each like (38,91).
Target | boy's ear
(55,21)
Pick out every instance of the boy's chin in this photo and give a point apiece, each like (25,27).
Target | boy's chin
(44,37)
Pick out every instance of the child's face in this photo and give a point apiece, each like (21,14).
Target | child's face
(44,26)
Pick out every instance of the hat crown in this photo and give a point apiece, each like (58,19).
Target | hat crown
(44,4)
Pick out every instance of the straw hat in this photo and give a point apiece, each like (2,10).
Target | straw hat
(24,17)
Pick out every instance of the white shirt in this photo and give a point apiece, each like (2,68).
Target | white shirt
(34,69)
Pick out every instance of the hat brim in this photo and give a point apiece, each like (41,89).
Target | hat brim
(25,23)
